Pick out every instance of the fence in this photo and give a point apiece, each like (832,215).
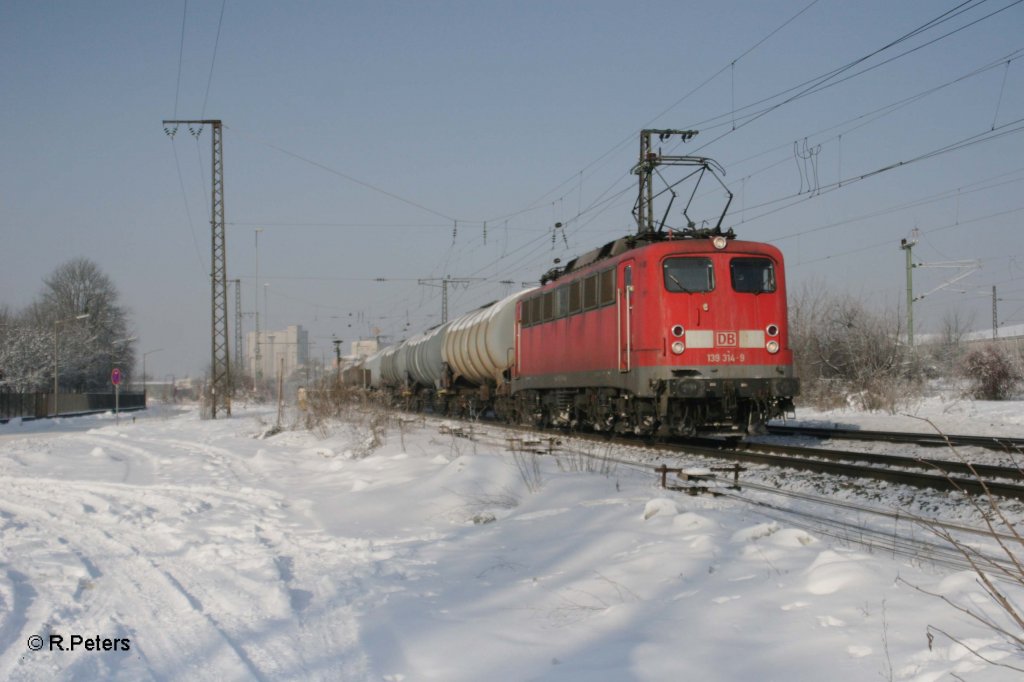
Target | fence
(38,405)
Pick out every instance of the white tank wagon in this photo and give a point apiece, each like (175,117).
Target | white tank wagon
(478,346)
(372,364)
(393,365)
(425,362)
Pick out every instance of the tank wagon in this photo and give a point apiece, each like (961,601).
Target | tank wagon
(661,332)
(455,368)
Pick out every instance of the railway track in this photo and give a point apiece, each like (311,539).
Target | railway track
(937,474)
(895,530)
(919,472)
(1000,443)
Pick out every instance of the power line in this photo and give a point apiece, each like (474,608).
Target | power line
(264,223)
(536,244)
(826,80)
(350,178)
(877,113)
(963,143)
(541,201)
(181,56)
(913,204)
(188,212)
(888,242)
(213,61)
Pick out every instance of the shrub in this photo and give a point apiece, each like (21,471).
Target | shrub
(849,354)
(991,373)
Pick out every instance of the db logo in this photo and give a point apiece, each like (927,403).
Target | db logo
(726,339)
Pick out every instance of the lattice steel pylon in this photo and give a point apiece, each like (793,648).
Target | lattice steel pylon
(238,325)
(220,358)
(444,282)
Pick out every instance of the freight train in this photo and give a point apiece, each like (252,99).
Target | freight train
(663,332)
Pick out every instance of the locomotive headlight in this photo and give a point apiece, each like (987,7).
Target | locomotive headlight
(678,347)
(772,346)
(678,331)
(772,330)
(719,242)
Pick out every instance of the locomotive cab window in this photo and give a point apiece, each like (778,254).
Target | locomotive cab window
(689,275)
(752,275)
(548,306)
(590,292)
(561,301)
(606,291)
(575,297)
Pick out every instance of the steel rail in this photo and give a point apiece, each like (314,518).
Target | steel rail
(1001,443)
(830,462)
(942,466)
(948,475)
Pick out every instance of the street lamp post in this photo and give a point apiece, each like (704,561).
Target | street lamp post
(117,383)
(56,324)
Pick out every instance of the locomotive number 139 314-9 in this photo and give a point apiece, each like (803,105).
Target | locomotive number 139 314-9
(726,357)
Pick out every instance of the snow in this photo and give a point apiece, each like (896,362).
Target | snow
(221,554)
(949,415)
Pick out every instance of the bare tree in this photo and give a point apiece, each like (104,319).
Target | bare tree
(845,350)
(88,348)
(79,287)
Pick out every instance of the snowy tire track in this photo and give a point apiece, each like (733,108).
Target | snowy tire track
(102,548)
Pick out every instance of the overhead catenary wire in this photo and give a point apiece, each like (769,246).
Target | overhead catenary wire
(632,135)
(542,201)
(979,138)
(512,258)
(213,59)
(188,213)
(873,115)
(946,16)
(181,57)
(829,79)
(347,176)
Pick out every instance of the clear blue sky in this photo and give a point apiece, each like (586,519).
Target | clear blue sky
(358,132)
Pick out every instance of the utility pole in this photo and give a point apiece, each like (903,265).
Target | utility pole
(966,268)
(238,325)
(995,315)
(337,356)
(220,358)
(908,245)
(258,369)
(444,282)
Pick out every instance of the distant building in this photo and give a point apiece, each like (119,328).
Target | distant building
(364,347)
(1011,332)
(290,345)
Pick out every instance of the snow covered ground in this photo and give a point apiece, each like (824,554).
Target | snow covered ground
(200,550)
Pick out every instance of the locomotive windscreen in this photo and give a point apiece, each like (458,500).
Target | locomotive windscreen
(689,275)
(752,275)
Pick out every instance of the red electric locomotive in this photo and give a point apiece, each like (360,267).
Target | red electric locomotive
(662,332)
